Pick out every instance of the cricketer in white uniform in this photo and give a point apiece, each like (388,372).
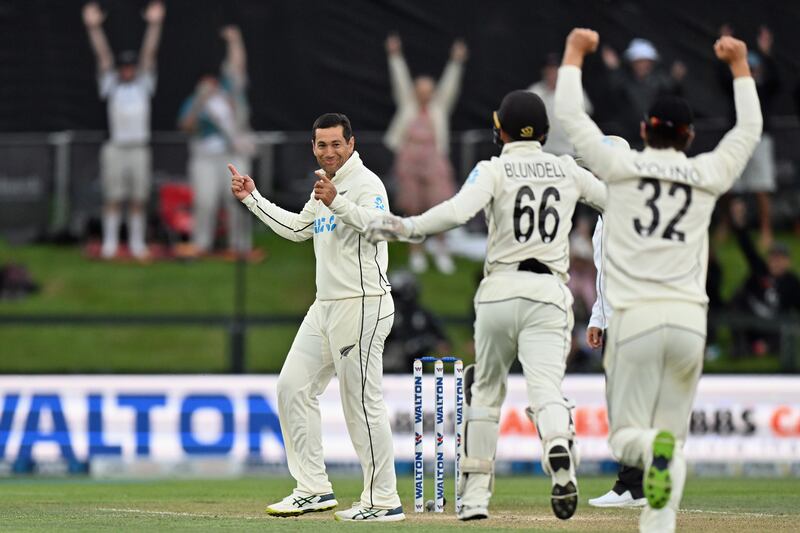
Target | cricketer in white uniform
(656,256)
(343,332)
(523,307)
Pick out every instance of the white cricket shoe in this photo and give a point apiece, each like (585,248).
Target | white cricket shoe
(444,263)
(359,513)
(296,504)
(612,499)
(473,512)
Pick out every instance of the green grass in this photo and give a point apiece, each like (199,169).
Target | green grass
(282,284)
(238,505)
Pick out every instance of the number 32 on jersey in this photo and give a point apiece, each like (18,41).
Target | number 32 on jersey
(647,228)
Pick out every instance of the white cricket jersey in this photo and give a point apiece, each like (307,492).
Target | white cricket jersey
(528,196)
(128,106)
(348,266)
(659,200)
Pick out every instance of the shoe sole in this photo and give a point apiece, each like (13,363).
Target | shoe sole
(563,498)
(477,515)
(289,514)
(658,483)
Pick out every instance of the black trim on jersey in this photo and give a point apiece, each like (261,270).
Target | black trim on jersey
(278,221)
(522,298)
(385,317)
(363,368)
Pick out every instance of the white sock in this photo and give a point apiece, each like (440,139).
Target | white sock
(136,229)
(111,220)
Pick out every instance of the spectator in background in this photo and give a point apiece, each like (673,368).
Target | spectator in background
(419,135)
(758,177)
(638,88)
(771,289)
(125,161)
(416,331)
(557,141)
(217,117)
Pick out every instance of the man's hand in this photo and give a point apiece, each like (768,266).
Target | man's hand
(580,42)
(765,40)
(459,52)
(393,44)
(241,186)
(93,16)
(230,32)
(388,227)
(154,14)
(733,52)
(324,189)
(594,337)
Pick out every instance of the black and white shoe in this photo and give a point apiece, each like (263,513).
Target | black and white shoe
(564,496)
(359,513)
(297,504)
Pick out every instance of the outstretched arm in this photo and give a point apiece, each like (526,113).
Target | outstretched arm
(581,130)
(399,76)
(291,226)
(450,84)
(93,18)
(236,54)
(734,150)
(154,15)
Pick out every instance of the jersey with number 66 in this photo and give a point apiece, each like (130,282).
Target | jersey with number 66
(529,197)
(659,200)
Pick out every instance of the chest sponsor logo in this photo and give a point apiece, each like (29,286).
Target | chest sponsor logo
(325,224)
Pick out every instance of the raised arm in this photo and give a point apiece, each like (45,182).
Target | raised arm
(449,85)
(399,76)
(581,130)
(93,18)
(730,156)
(291,226)
(236,54)
(154,15)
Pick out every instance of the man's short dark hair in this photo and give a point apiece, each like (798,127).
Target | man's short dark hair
(669,123)
(331,120)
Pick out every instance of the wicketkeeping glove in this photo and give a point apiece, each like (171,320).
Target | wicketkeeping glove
(391,228)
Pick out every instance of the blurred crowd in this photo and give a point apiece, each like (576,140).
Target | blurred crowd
(203,218)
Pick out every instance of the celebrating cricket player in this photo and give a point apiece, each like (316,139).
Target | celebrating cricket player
(656,254)
(523,306)
(342,333)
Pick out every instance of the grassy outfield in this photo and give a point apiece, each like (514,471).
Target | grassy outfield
(283,284)
(519,503)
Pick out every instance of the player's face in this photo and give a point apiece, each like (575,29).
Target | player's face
(424,87)
(642,67)
(778,264)
(331,149)
(127,72)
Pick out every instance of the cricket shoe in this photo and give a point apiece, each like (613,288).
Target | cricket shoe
(657,480)
(473,512)
(296,504)
(612,499)
(564,496)
(359,513)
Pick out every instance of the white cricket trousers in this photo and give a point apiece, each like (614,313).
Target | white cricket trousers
(539,333)
(211,187)
(342,337)
(653,362)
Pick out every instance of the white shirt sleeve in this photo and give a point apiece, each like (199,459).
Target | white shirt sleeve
(603,158)
(729,158)
(594,192)
(147,79)
(474,195)
(369,204)
(601,310)
(292,226)
(107,82)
